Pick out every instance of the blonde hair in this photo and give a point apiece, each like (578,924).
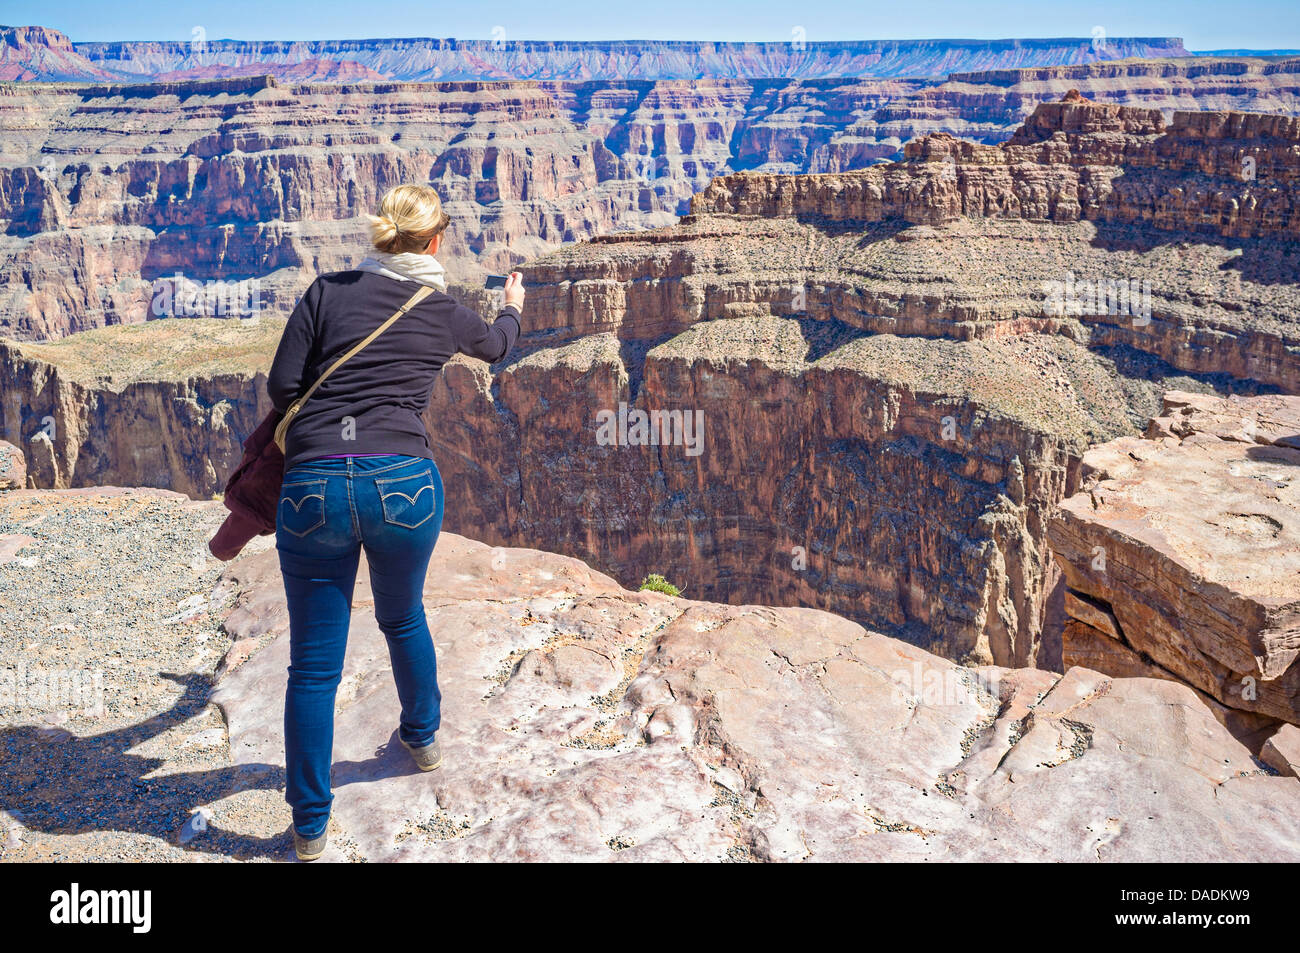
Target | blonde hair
(409,215)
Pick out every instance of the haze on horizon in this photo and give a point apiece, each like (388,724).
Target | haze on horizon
(1203,25)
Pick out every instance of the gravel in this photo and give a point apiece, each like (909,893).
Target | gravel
(110,632)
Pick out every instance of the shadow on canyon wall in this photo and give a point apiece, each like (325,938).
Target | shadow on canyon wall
(1263,261)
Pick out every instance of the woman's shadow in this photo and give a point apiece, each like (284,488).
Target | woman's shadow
(73,784)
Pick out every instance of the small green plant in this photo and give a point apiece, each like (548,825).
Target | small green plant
(657,583)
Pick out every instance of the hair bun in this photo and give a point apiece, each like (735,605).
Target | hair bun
(409,217)
(382,230)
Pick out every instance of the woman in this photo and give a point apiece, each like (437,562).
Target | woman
(359,473)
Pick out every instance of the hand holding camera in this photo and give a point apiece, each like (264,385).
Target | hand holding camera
(512,285)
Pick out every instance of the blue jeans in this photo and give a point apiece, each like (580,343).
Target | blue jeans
(329,509)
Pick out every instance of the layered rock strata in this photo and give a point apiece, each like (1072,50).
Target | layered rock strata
(109,192)
(1222,185)
(502,57)
(876,418)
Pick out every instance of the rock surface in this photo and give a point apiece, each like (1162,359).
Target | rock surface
(585,722)
(581,721)
(1182,549)
(110,632)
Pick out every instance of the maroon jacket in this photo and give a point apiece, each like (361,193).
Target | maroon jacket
(252,492)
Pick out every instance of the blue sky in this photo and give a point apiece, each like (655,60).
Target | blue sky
(1203,24)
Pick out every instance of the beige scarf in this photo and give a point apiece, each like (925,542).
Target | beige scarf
(407,266)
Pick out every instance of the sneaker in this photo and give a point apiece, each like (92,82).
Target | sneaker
(426,758)
(309,849)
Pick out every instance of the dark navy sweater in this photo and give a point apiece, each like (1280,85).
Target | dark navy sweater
(374,403)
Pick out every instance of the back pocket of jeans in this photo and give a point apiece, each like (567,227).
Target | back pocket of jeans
(407,501)
(302,507)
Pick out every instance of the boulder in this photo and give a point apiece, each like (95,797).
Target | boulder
(1182,551)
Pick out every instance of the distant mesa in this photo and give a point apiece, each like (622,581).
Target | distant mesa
(35,53)
(38,53)
(1244,52)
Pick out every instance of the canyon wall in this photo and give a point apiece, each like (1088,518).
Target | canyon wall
(108,192)
(875,413)
(111,407)
(1075,160)
(1230,177)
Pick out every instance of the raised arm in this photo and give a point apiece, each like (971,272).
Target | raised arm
(492,342)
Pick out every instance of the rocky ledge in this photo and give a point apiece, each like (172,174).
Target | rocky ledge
(583,721)
(1181,554)
(586,722)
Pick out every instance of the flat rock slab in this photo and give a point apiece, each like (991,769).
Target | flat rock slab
(1191,537)
(585,722)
